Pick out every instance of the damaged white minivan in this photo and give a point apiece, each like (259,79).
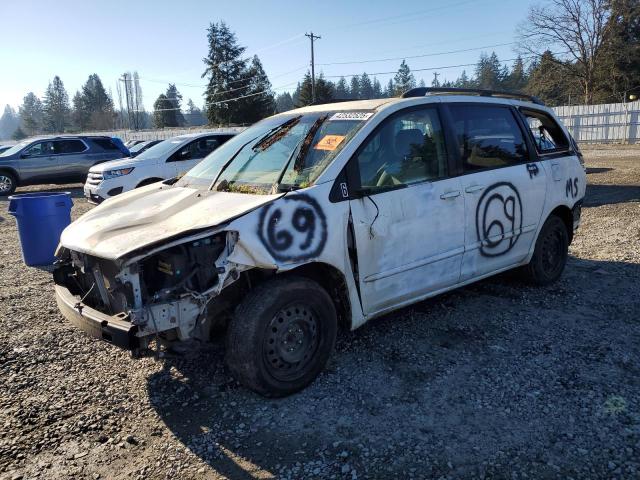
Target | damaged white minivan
(322,217)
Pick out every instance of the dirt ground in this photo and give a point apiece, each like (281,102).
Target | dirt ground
(496,380)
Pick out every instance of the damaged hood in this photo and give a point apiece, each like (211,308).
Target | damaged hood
(148,215)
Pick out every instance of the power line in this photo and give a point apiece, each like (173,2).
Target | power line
(419,56)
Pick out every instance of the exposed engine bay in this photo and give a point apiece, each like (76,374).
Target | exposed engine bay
(168,290)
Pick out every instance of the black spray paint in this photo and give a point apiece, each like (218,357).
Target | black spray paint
(293,228)
(571,188)
(533,170)
(498,214)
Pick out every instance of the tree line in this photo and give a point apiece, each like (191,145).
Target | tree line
(570,51)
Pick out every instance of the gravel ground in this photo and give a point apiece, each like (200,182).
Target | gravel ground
(496,380)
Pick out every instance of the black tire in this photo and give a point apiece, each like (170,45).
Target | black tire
(281,336)
(8,183)
(550,255)
(148,181)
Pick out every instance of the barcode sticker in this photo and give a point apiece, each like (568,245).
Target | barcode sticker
(351,116)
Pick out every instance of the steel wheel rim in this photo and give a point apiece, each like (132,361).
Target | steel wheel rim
(552,252)
(5,184)
(291,342)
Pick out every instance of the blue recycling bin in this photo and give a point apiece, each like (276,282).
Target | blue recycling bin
(41,217)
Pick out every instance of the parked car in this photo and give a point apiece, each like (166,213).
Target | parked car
(167,159)
(4,148)
(323,216)
(138,148)
(131,143)
(64,159)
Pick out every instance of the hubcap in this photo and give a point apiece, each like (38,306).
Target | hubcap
(291,342)
(5,184)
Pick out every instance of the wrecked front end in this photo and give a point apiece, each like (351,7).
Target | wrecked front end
(163,293)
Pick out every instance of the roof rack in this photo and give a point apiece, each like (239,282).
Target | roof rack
(423,91)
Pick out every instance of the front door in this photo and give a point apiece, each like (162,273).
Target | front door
(408,222)
(73,159)
(39,163)
(191,154)
(504,188)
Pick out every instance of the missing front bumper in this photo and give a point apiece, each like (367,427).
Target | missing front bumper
(97,324)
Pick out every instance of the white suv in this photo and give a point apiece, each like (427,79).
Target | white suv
(166,159)
(323,216)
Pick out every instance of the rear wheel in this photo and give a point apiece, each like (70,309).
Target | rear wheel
(8,183)
(551,252)
(281,336)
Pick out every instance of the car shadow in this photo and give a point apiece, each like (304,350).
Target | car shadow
(591,170)
(598,195)
(414,375)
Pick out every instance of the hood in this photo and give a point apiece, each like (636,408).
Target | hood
(148,215)
(122,163)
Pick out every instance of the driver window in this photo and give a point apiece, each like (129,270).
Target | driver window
(40,149)
(407,148)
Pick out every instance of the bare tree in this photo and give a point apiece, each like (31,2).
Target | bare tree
(575,29)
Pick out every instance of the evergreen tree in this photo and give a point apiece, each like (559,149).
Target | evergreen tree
(97,103)
(377,88)
(226,70)
(404,79)
(9,122)
(303,95)
(516,80)
(175,97)
(354,88)
(342,90)
(366,87)
(164,113)
(489,72)
(463,81)
(56,106)
(390,90)
(422,83)
(195,116)
(80,114)
(31,114)
(551,81)
(259,101)
(19,134)
(284,102)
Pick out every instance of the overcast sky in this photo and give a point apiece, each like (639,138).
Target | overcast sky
(165,41)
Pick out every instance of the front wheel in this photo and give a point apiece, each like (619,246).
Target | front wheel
(281,336)
(8,183)
(551,252)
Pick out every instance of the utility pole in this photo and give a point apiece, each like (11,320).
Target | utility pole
(124,79)
(436,83)
(313,37)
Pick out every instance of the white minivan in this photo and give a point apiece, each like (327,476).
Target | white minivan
(167,159)
(326,216)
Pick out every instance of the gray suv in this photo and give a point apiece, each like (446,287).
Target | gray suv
(64,159)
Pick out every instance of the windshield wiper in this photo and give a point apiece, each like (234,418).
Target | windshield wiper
(298,153)
(276,133)
(228,162)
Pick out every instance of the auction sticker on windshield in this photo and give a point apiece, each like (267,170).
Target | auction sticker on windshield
(329,142)
(351,116)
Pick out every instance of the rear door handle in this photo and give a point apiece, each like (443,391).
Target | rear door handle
(452,194)
(474,188)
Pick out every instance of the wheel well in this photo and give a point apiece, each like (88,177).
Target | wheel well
(11,172)
(149,181)
(565,214)
(333,281)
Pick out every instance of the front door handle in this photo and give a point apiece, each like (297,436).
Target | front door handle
(452,194)
(474,188)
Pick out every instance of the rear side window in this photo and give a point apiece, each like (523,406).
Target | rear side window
(488,136)
(105,143)
(69,146)
(547,134)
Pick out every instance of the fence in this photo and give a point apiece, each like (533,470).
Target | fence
(605,123)
(163,133)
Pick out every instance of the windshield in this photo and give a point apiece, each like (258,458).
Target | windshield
(138,146)
(15,149)
(279,153)
(162,149)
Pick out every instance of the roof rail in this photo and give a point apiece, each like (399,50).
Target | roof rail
(423,91)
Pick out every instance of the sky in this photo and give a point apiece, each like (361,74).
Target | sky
(165,41)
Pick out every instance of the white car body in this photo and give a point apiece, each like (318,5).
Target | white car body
(383,249)
(148,167)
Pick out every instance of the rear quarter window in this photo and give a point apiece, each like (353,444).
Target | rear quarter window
(547,135)
(105,143)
